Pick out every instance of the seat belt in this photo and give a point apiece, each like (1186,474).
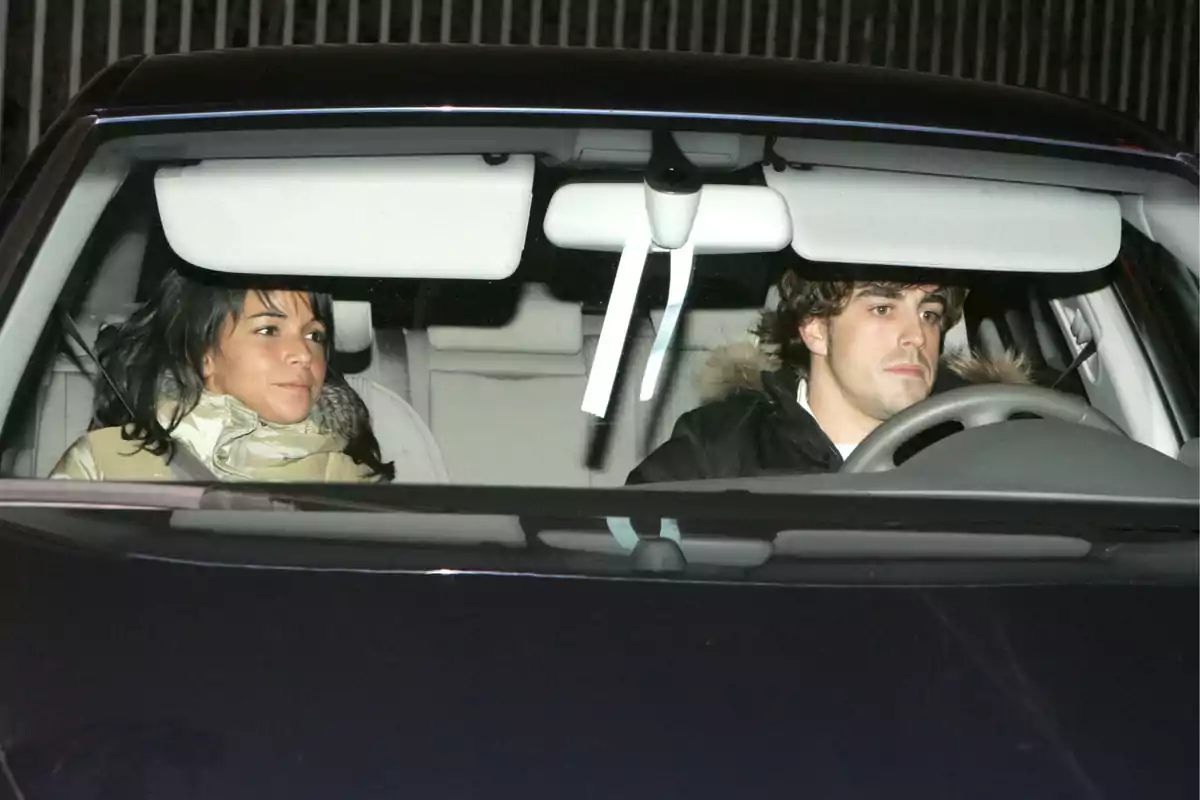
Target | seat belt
(73,331)
(1085,352)
(185,465)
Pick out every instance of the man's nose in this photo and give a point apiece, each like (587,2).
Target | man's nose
(913,333)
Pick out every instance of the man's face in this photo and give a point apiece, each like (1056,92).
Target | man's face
(881,351)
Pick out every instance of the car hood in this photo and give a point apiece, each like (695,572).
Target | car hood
(132,679)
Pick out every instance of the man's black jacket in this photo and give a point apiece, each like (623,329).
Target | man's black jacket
(758,427)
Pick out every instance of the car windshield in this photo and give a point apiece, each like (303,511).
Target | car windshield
(338,318)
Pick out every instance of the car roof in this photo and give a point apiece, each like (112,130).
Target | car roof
(306,78)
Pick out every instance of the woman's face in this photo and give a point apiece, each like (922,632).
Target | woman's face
(272,358)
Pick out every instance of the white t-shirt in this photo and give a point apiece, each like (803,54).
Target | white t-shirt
(802,399)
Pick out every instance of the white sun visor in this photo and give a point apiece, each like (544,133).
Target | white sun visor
(636,219)
(374,217)
(863,216)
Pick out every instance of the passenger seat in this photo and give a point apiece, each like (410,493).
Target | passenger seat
(404,437)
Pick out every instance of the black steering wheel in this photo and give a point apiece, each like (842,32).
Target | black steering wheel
(973,406)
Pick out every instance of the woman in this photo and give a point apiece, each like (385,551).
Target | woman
(226,380)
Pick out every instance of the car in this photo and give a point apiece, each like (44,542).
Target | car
(532,254)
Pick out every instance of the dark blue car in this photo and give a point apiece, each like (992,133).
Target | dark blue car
(529,259)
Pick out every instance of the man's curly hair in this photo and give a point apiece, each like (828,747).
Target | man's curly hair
(802,298)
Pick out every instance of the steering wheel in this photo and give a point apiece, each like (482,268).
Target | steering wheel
(973,406)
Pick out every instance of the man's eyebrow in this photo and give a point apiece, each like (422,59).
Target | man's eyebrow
(878,290)
(935,297)
(891,292)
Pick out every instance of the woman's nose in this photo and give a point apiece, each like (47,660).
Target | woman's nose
(297,351)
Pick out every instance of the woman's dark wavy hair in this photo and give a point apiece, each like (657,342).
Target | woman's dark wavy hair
(164,343)
(802,298)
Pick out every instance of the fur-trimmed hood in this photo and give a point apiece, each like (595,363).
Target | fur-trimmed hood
(741,366)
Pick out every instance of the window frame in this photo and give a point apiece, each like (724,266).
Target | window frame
(1145,276)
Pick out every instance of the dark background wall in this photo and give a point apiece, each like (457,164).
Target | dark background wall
(1139,56)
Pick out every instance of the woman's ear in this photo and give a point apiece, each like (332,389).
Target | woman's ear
(814,332)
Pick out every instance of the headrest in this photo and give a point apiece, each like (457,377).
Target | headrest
(353,328)
(115,285)
(706,329)
(90,326)
(541,324)
(772,301)
(956,340)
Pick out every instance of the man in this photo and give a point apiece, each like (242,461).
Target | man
(851,354)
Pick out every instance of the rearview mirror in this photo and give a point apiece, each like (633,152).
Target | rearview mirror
(729,219)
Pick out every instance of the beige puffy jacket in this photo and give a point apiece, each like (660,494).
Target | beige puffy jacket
(230,440)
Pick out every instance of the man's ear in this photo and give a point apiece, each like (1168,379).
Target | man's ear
(814,332)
